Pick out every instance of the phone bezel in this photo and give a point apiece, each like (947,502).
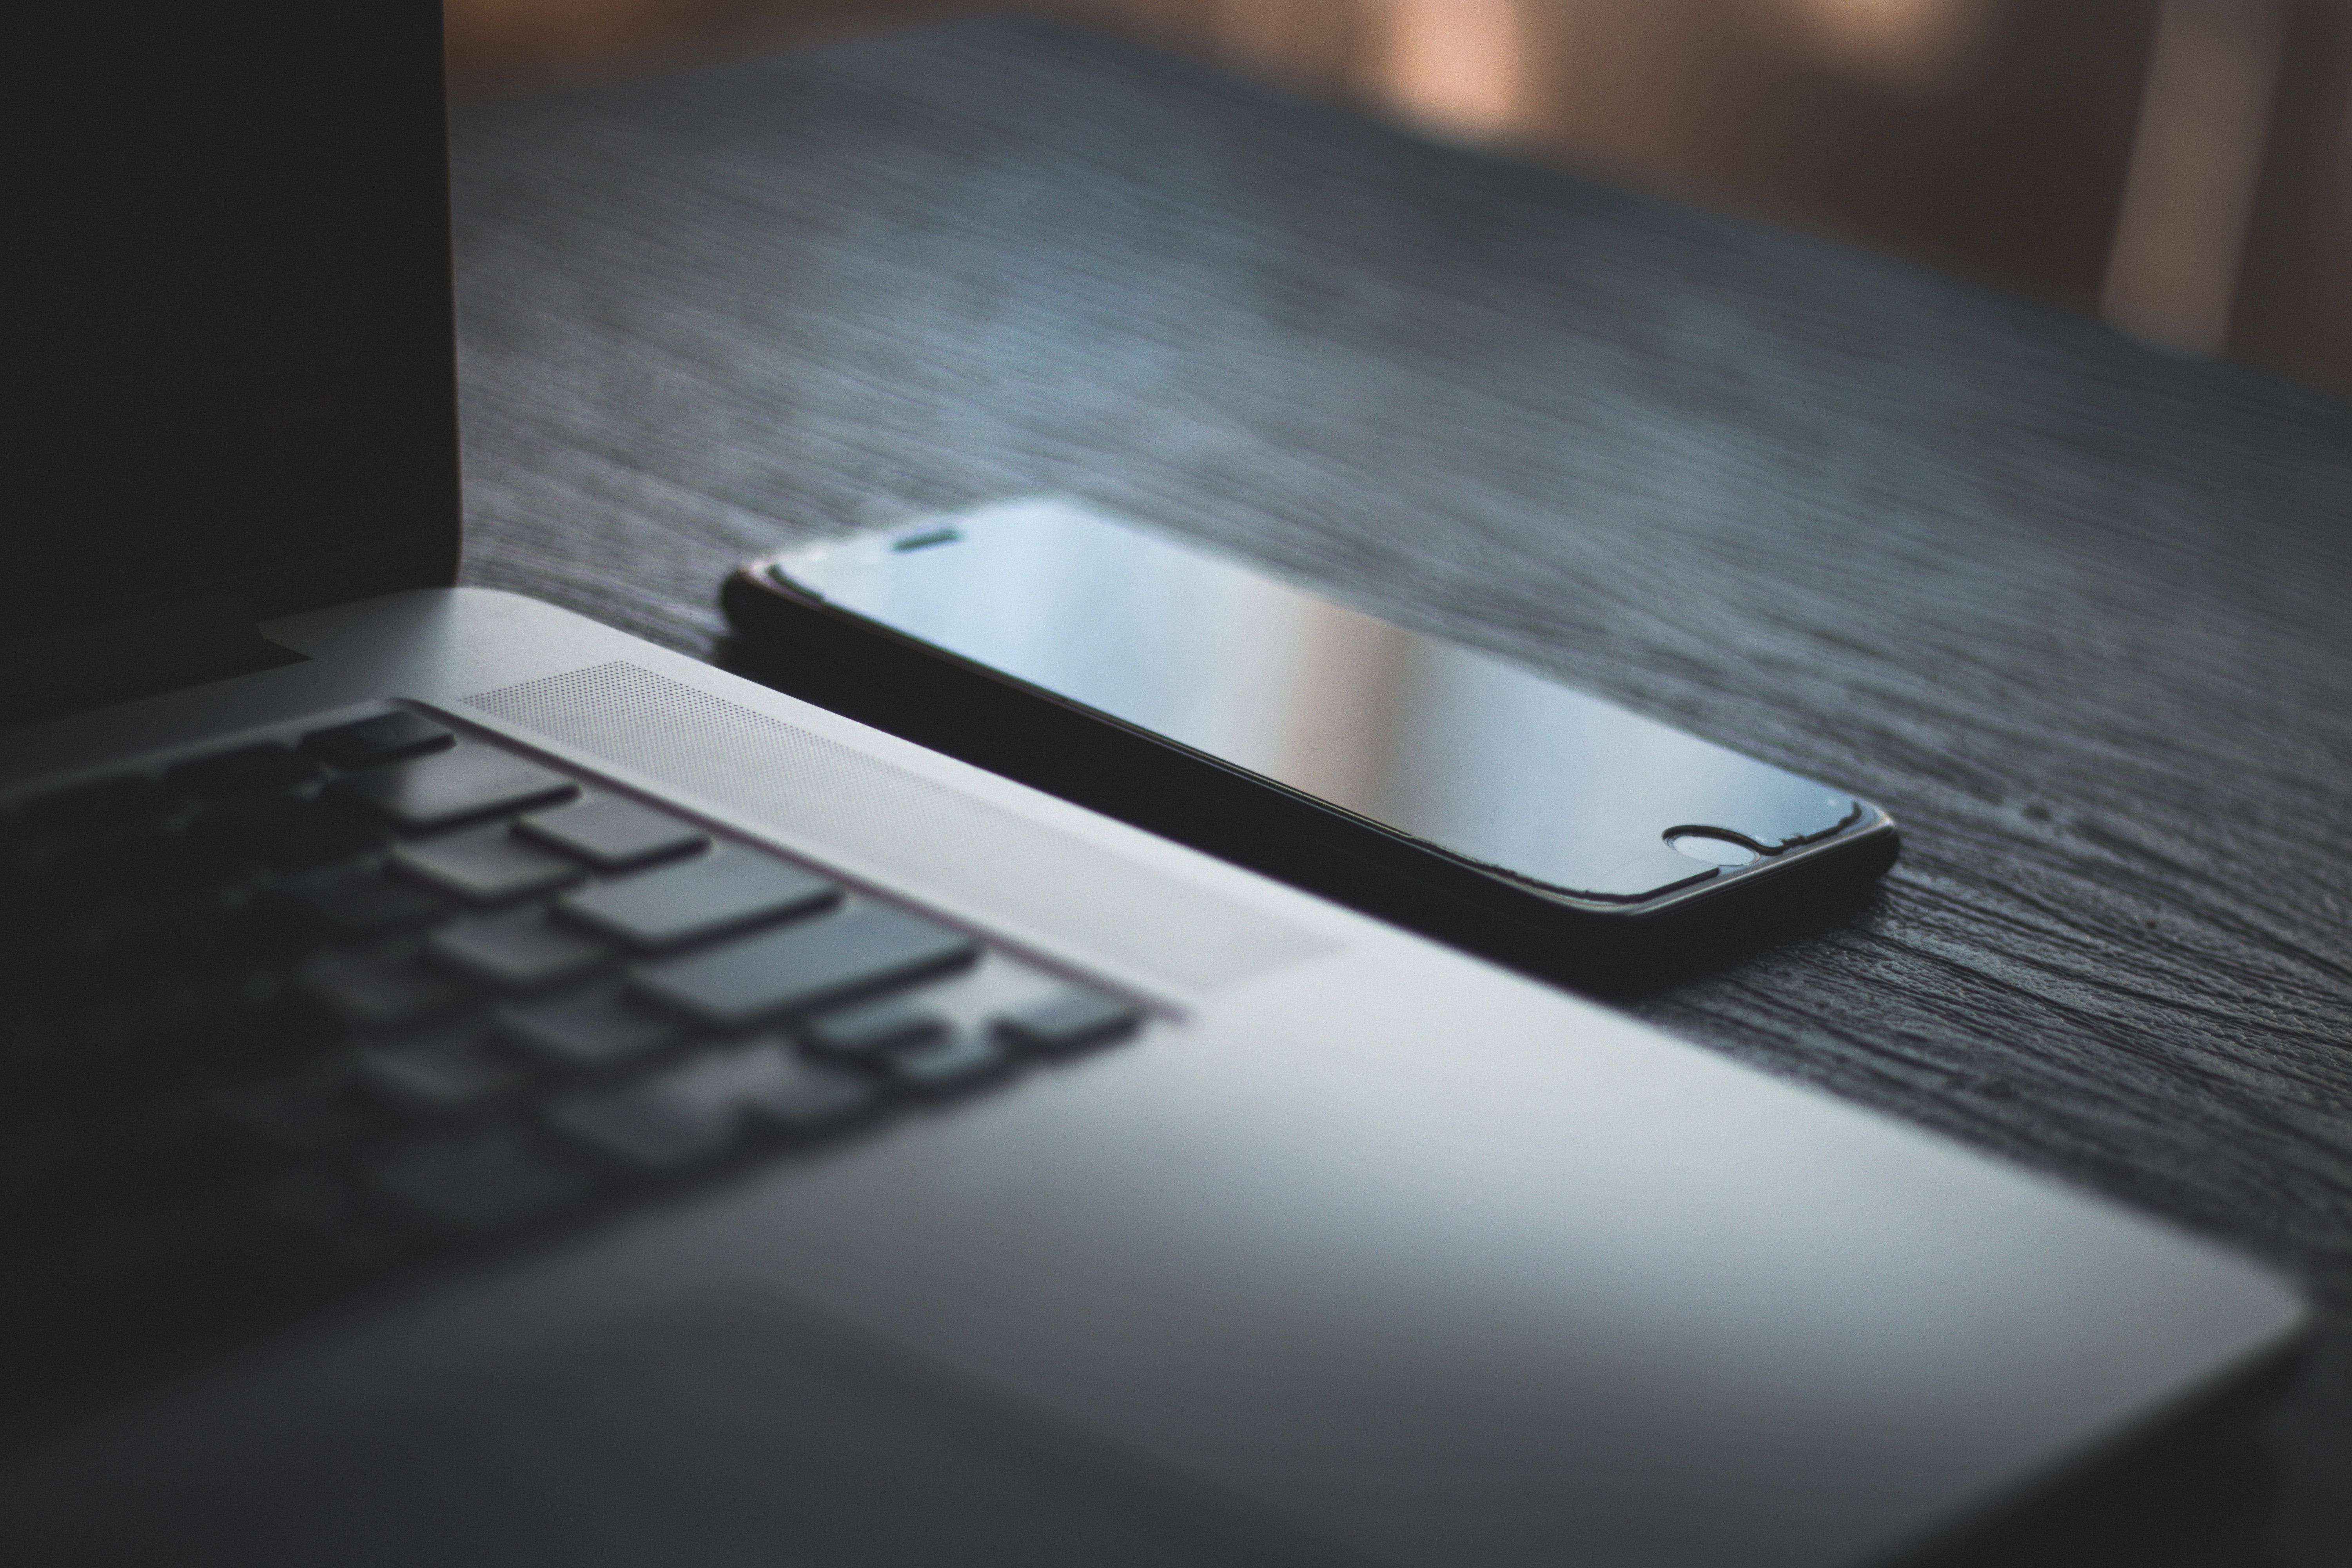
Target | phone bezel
(878,674)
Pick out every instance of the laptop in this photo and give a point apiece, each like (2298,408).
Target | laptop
(487,1089)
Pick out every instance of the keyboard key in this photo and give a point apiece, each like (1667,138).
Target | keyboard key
(174,866)
(721,892)
(125,869)
(874,1030)
(372,742)
(487,866)
(249,771)
(961,1061)
(242,938)
(454,1070)
(592,1028)
(351,903)
(613,833)
(446,788)
(287,833)
(195,936)
(221,1025)
(381,991)
(1068,1020)
(659,1125)
(484,1180)
(42,839)
(696,1111)
(520,950)
(805,967)
(125,800)
(781,1090)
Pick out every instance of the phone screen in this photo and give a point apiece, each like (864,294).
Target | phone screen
(1480,757)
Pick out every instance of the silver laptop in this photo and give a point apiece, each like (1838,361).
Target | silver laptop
(485,1089)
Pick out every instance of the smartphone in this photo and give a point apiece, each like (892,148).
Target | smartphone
(1176,686)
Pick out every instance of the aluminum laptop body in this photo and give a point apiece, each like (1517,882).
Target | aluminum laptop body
(1353,1249)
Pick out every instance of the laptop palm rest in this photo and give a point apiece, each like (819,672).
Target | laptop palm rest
(732,1428)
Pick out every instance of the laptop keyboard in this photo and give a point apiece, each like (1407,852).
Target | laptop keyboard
(309,1009)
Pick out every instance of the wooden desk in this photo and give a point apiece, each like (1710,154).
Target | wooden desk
(2076,612)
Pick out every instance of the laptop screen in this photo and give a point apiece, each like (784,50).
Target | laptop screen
(232,355)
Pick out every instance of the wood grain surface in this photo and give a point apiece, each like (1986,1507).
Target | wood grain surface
(2075,613)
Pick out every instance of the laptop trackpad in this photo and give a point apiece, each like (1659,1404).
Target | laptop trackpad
(730,1431)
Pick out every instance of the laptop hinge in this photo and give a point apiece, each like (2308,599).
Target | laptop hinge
(115,661)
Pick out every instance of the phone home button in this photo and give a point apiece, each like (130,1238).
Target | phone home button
(1715,848)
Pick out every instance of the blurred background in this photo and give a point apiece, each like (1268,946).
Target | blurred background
(2184,166)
